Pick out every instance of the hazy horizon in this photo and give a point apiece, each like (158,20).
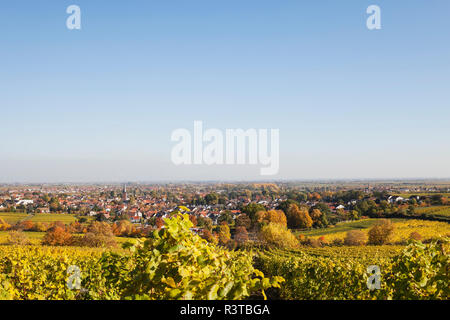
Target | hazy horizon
(218,181)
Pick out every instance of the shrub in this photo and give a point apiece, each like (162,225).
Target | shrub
(355,238)
(123,228)
(82,220)
(75,227)
(57,236)
(415,236)
(241,235)
(381,232)
(208,236)
(99,234)
(337,242)
(231,245)
(4,225)
(314,243)
(278,236)
(323,241)
(24,225)
(40,227)
(17,238)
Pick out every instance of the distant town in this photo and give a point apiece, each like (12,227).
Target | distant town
(143,204)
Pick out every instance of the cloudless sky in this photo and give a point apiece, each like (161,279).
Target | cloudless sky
(100,103)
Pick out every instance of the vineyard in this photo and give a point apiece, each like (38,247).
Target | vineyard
(41,272)
(416,272)
(175,263)
(435,211)
(402,230)
(13,217)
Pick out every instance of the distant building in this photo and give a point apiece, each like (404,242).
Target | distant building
(24,202)
(393,199)
(124,193)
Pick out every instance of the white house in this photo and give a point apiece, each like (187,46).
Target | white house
(24,202)
(393,199)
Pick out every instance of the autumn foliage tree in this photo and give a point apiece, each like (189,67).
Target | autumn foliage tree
(208,236)
(271,216)
(123,228)
(315,214)
(99,234)
(299,217)
(57,236)
(241,235)
(243,221)
(277,236)
(252,209)
(26,225)
(381,232)
(204,223)
(224,234)
(75,227)
(40,227)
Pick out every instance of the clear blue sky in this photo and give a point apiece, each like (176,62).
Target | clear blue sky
(100,103)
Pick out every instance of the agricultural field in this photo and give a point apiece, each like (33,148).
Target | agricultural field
(177,264)
(208,271)
(415,271)
(353,252)
(13,217)
(34,237)
(435,211)
(421,194)
(52,217)
(340,227)
(402,230)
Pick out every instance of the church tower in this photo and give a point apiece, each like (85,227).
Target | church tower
(124,193)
